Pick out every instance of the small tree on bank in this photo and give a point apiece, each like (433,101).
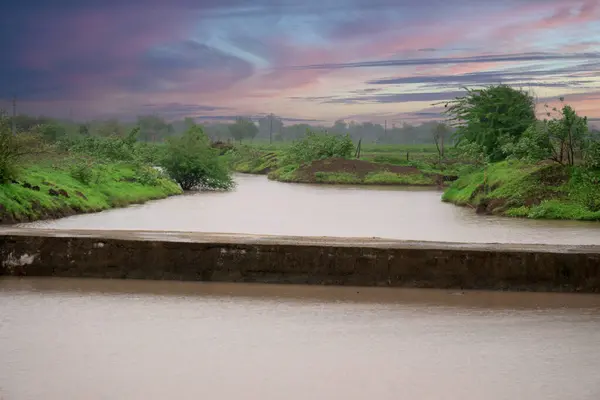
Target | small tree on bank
(564,139)
(440,133)
(191,162)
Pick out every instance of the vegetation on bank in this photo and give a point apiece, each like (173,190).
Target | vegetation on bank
(543,191)
(334,159)
(50,189)
(530,168)
(49,176)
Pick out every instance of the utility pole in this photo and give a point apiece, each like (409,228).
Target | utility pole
(14,115)
(270,128)
(385,128)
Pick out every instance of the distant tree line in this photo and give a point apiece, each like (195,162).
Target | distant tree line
(154,128)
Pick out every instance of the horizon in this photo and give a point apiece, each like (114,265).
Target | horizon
(313,63)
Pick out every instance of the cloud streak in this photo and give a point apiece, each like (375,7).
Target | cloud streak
(496,58)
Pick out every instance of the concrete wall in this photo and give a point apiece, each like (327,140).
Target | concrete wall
(357,262)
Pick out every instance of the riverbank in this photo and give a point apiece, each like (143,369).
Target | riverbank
(372,171)
(545,190)
(299,260)
(357,172)
(50,190)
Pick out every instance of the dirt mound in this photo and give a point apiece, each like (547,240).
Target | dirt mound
(359,168)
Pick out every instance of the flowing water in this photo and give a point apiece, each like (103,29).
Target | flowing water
(134,340)
(260,206)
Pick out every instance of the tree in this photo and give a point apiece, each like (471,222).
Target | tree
(189,122)
(243,128)
(111,127)
(483,116)
(440,131)
(153,128)
(567,134)
(340,126)
(52,131)
(269,126)
(84,130)
(562,139)
(191,162)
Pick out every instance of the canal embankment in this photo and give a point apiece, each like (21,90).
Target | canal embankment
(298,260)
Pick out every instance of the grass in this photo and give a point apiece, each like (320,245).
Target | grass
(390,178)
(339,178)
(540,191)
(261,158)
(105,186)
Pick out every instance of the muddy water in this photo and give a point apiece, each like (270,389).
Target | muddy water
(260,206)
(88,339)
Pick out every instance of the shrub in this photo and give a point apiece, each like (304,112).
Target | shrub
(592,155)
(317,147)
(15,149)
(191,162)
(82,171)
(147,175)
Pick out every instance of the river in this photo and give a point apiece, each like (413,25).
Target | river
(260,206)
(141,340)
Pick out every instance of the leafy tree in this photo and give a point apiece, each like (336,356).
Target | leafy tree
(482,116)
(191,162)
(189,122)
(84,130)
(153,128)
(534,145)
(339,126)
(243,128)
(111,127)
(52,131)
(270,125)
(567,134)
(562,139)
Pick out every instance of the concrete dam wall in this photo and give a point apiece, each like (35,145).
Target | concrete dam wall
(298,260)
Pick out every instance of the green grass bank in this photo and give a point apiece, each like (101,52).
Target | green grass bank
(48,190)
(542,191)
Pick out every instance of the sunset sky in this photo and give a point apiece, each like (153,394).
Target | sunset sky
(314,60)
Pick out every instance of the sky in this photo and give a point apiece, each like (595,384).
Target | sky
(312,61)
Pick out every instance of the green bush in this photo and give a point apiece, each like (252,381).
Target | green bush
(317,147)
(193,163)
(147,175)
(82,171)
(14,149)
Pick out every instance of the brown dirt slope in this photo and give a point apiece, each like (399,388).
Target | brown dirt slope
(359,168)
